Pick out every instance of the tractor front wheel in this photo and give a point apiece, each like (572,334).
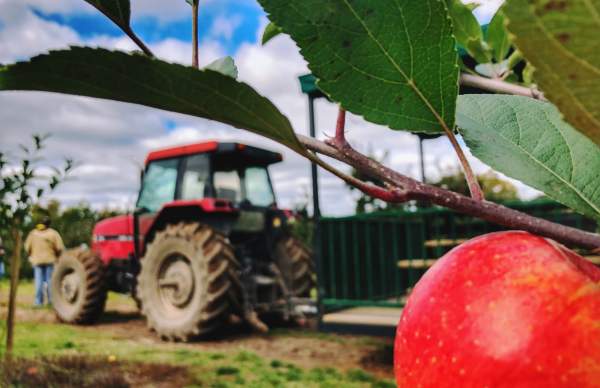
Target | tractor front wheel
(185,282)
(77,287)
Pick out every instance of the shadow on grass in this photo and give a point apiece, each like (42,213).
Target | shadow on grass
(119,317)
(380,357)
(85,371)
(231,332)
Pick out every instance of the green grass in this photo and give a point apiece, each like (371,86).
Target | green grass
(365,341)
(26,292)
(207,369)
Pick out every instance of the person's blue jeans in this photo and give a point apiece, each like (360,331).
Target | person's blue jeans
(42,275)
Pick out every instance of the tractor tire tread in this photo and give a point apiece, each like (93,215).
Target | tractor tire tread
(215,257)
(95,292)
(302,277)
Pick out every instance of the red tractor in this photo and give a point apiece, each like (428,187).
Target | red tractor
(206,243)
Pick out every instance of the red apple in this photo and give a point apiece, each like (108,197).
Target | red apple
(507,309)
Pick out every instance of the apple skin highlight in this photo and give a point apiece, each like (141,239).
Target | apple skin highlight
(507,309)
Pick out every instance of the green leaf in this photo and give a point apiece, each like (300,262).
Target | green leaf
(472,6)
(492,70)
(119,11)
(468,31)
(527,140)
(560,39)
(528,74)
(393,62)
(142,80)
(271,31)
(224,65)
(497,37)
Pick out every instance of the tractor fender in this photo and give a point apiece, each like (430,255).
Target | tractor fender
(219,214)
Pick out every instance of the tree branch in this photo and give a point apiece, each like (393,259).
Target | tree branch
(405,188)
(368,188)
(339,142)
(497,86)
(474,188)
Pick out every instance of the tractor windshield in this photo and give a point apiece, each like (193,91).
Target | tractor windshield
(160,181)
(258,187)
(195,181)
(251,184)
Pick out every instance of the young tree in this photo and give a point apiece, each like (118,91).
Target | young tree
(23,185)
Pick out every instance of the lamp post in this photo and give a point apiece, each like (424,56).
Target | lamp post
(308,86)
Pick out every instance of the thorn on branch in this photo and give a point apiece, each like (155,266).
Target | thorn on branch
(339,141)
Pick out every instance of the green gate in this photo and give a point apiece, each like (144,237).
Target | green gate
(374,259)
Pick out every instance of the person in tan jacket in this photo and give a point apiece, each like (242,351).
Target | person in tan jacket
(43,245)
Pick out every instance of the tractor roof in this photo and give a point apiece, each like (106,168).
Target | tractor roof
(257,155)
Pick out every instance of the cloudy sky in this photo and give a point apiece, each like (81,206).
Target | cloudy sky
(110,140)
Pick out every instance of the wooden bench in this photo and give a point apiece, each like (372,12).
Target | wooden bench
(444,242)
(416,263)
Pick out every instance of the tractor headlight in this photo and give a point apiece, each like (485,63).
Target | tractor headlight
(276,222)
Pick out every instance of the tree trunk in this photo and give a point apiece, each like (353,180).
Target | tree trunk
(15,266)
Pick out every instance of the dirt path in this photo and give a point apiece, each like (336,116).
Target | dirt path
(303,347)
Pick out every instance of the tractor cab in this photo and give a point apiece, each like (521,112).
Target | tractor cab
(230,172)
(224,185)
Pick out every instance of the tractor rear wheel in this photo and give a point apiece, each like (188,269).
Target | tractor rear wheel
(186,281)
(295,261)
(77,287)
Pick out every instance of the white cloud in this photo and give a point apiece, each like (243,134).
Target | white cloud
(56,6)
(163,10)
(486,9)
(22,34)
(224,26)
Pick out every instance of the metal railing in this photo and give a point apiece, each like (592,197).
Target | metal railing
(375,259)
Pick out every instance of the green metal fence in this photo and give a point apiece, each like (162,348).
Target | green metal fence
(374,259)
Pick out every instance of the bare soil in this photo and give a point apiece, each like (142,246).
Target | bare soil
(89,372)
(303,347)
